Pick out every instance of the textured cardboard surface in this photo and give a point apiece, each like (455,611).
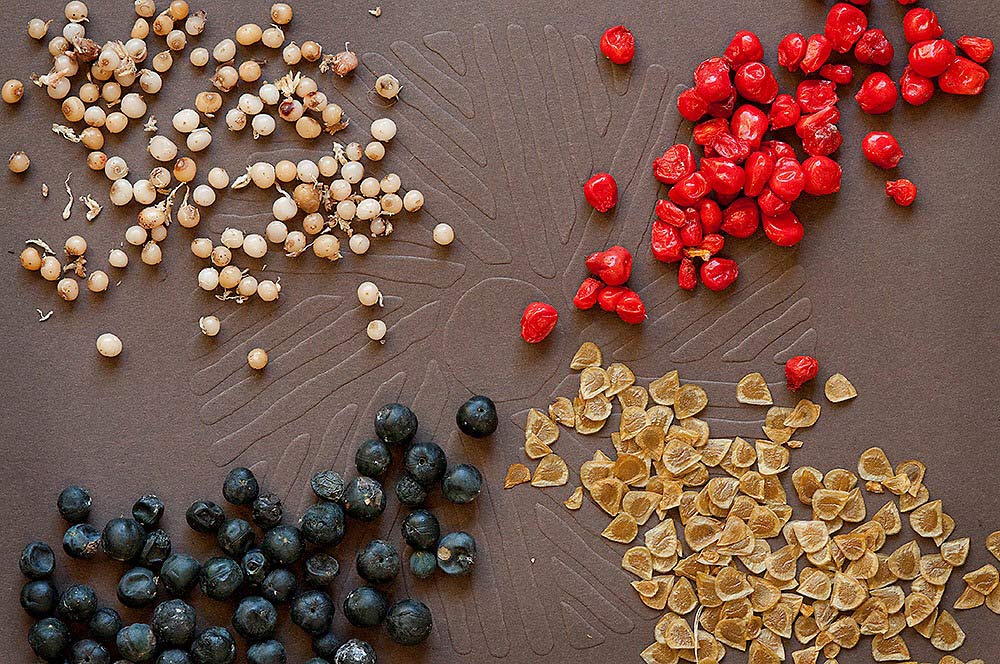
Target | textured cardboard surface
(505,111)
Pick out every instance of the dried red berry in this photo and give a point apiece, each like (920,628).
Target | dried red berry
(666,243)
(677,162)
(784,230)
(882,149)
(729,147)
(914,88)
(963,77)
(745,47)
(921,24)
(692,233)
(749,124)
(687,275)
(777,149)
(691,105)
(815,95)
(711,80)
(741,218)
(586,294)
(839,74)
(818,51)
(723,176)
(618,45)
(756,82)
(800,370)
(822,140)
(710,214)
(787,181)
(878,94)
(874,48)
(930,58)
(601,191)
(719,273)
(979,49)
(630,308)
(791,50)
(823,176)
(771,204)
(613,266)
(705,133)
(689,190)
(724,108)
(759,167)
(785,112)
(903,191)
(712,244)
(608,297)
(537,321)
(669,213)
(844,26)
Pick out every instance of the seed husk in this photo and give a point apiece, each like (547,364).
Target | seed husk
(838,389)
(575,500)
(551,471)
(517,473)
(752,389)
(588,355)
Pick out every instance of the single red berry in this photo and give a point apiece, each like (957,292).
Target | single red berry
(710,214)
(758,168)
(537,321)
(756,82)
(692,233)
(822,140)
(723,176)
(930,58)
(785,230)
(823,176)
(729,147)
(785,112)
(914,88)
(815,95)
(882,149)
(719,273)
(618,45)
(791,50)
(691,105)
(800,370)
(687,274)
(607,297)
(963,77)
(669,213)
(921,24)
(809,123)
(630,308)
(689,190)
(677,161)
(724,108)
(979,49)
(613,266)
(712,244)
(601,191)
(666,243)
(839,74)
(749,124)
(878,94)
(771,204)
(787,181)
(705,133)
(818,51)
(745,47)
(844,26)
(777,149)
(902,191)
(741,218)
(874,48)
(711,80)
(586,294)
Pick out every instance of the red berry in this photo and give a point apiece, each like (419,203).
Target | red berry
(711,80)
(729,147)
(921,24)
(618,45)
(537,321)
(601,191)
(689,190)
(749,124)
(815,95)
(874,48)
(930,58)
(691,105)
(963,77)
(630,308)
(914,88)
(613,267)
(787,181)
(692,233)
(723,176)
(903,191)
(878,94)
(745,47)
(839,74)
(676,163)
(784,230)
(607,297)
(882,149)
(586,294)
(785,112)
(979,49)
(712,244)
(844,26)
(818,51)
(741,218)
(791,50)
(666,242)
(669,213)
(822,176)
(718,273)
(758,168)
(687,275)
(756,82)
(822,140)
(800,370)
(777,149)
(710,214)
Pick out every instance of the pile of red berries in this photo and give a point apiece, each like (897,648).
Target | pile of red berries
(606,289)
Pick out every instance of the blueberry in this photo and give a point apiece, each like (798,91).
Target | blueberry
(268,652)
(323,523)
(37,561)
(328,485)
(137,588)
(240,487)
(255,619)
(365,607)
(364,499)
(179,573)
(279,586)
(235,537)
(220,578)
(421,530)
(204,516)
(313,611)
(456,553)
(82,541)
(214,646)
(136,643)
(282,545)
(173,657)
(173,623)
(409,491)
(378,562)
(267,510)
(355,651)
(255,567)
(477,417)
(395,424)
(320,570)
(326,645)
(78,604)
(49,638)
(148,510)
(155,550)
(74,504)
(38,598)
(105,625)
(426,462)
(373,458)
(423,564)
(122,539)
(409,622)
(462,483)
(88,651)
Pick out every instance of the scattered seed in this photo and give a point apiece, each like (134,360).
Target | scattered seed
(752,389)
(838,389)
(517,473)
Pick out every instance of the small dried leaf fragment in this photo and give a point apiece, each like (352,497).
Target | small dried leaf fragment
(551,471)
(752,389)
(517,473)
(588,355)
(805,414)
(575,500)
(689,400)
(838,388)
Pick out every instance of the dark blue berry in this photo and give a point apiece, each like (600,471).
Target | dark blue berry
(364,499)
(179,573)
(423,564)
(279,586)
(326,645)
(136,643)
(355,651)
(313,611)
(409,622)
(426,462)
(372,458)
(240,487)
(122,539)
(395,424)
(421,530)
(320,570)
(49,639)
(88,651)
(323,523)
(137,588)
(409,491)
(173,623)
(105,625)
(74,504)
(255,567)
(235,537)
(155,550)
(214,646)
(148,510)
(456,553)
(282,545)
(268,652)
(462,483)
(365,606)
(82,541)
(37,561)
(78,604)
(477,417)
(378,562)
(173,657)
(205,516)
(220,578)
(38,598)
(255,619)
(328,485)
(267,510)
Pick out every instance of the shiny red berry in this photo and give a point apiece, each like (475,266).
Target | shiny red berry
(823,176)
(787,181)
(921,24)
(586,294)
(759,167)
(630,308)
(689,190)
(613,266)
(844,26)
(818,51)
(791,50)
(903,192)
(784,230)
(878,94)
(882,149)
(601,191)
(756,82)
(815,95)
(785,112)
(749,124)
(677,162)
(608,297)
(723,176)
(963,77)
(618,45)
(710,214)
(745,47)
(930,58)
(874,48)
(979,49)
(687,274)
(537,321)
(666,243)
(711,80)
(914,88)
(799,370)
(691,106)
(741,218)
(839,74)
(719,273)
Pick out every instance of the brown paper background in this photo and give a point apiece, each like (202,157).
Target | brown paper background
(505,111)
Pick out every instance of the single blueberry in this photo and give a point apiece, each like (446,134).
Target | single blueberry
(105,625)
(364,499)
(279,586)
(320,570)
(456,553)
(326,645)
(74,504)
(220,578)
(82,541)
(372,458)
(136,643)
(267,510)
(462,483)
(267,652)
(122,539)
(49,638)
(328,485)
(173,657)
(213,646)
(255,619)
(421,530)
(355,651)
(88,651)
(282,545)
(148,510)
(179,573)
(395,424)
(174,623)
(77,604)
(255,567)
(323,523)
(235,537)
(240,487)
(37,561)
(423,564)
(477,417)
(378,561)
(313,611)
(38,598)
(409,491)
(409,622)
(137,588)
(204,516)
(426,462)
(365,606)
(155,550)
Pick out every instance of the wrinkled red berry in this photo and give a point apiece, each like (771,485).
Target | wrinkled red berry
(719,273)
(839,74)
(844,26)
(800,370)
(902,191)
(705,133)
(745,47)
(785,112)
(930,58)
(712,244)
(691,105)
(687,275)
(537,321)
(823,139)
(729,147)
(878,94)
(618,45)
(741,218)
(601,191)
(921,24)
(608,297)
(791,50)
(666,243)
(785,230)
(710,214)
(613,266)
(749,124)
(711,80)
(677,162)
(815,95)
(809,123)
(787,180)
(689,190)
(963,77)
(771,204)
(756,82)
(914,88)
(759,167)
(586,294)
(724,108)
(692,233)
(630,308)
(817,53)
(723,176)
(777,149)
(874,48)
(882,149)
(669,213)
(979,49)
(823,176)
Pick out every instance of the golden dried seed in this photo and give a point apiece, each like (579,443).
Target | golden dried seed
(731,584)
(663,389)
(847,593)
(918,607)
(810,535)
(781,564)
(955,552)
(679,457)
(682,599)
(771,458)
(517,473)
(733,632)
(854,509)
(970,599)
(659,599)
(889,649)
(993,600)
(640,505)
(608,493)
(620,377)
(551,471)
(774,424)
(541,426)
(657,653)
(752,389)
(593,381)
(993,543)
(947,528)
(910,500)
(805,414)
(904,562)
(934,569)
(592,471)
(897,484)
(646,587)
(805,656)
(649,442)
(597,408)
(631,469)
(888,516)
(814,583)
(838,388)
(586,426)
(575,500)
(633,420)
(840,479)
(806,480)
(535,448)
(561,410)
(662,538)
(874,487)
(689,400)
(639,561)
(660,415)
(828,503)
(588,355)
(622,528)
(926,520)
(915,471)
(874,465)
(947,634)
(634,396)
(983,580)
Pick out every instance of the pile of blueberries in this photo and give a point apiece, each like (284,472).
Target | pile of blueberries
(287,565)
